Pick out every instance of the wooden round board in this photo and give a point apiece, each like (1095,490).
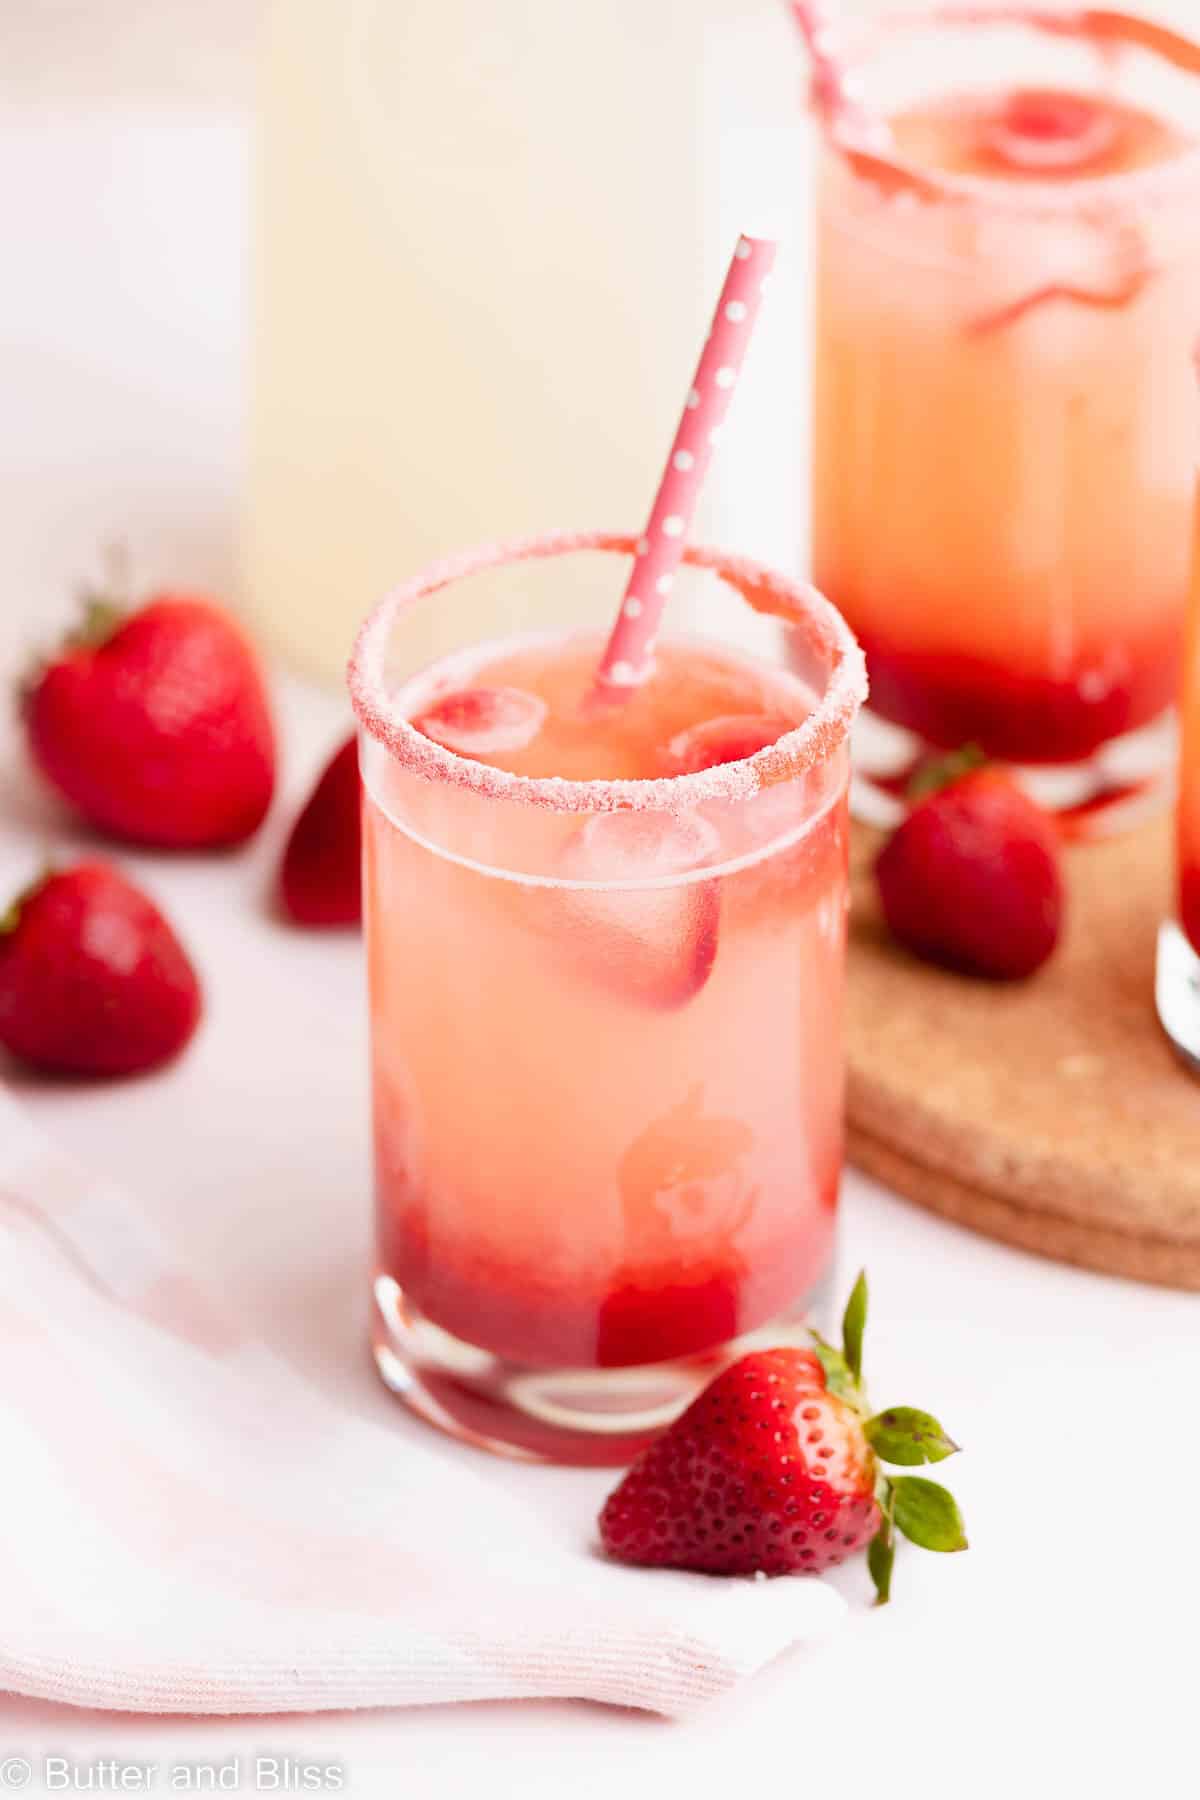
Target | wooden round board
(1051,1113)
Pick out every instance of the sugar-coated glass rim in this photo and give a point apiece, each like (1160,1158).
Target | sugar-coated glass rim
(861,42)
(797,603)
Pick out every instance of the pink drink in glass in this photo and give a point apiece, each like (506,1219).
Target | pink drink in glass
(1178,977)
(1189,771)
(606,994)
(1006,307)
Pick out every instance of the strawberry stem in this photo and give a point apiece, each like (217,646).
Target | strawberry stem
(105,606)
(101,617)
(103,611)
(838,1378)
(941,771)
(881,1551)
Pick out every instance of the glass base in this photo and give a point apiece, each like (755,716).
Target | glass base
(588,1416)
(1177,993)
(1125,782)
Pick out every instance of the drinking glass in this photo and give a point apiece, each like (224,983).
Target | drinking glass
(607,1087)
(1177,986)
(1007,302)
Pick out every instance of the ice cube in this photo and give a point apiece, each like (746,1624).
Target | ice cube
(776,812)
(641,845)
(651,946)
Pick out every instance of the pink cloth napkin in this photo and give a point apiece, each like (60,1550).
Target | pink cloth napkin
(189,1527)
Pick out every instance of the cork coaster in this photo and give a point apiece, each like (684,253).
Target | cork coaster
(1051,1114)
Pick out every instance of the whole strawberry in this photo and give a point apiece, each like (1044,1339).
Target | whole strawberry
(320,880)
(971,879)
(775,1468)
(155,724)
(93,981)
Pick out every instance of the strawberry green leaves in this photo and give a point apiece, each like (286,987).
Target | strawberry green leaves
(939,771)
(854,1321)
(843,1368)
(927,1514)
(905,1435)
(101,618)
(838,1378)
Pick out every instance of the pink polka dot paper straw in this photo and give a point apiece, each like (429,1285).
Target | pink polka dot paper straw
(629,655)
(833,91)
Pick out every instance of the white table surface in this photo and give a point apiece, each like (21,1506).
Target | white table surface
(1060,1649)
(1061,1644)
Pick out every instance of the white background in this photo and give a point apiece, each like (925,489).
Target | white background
(1059,1652)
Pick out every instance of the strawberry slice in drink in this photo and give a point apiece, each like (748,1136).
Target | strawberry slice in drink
(654,945)
(1045,131)
(1123,292)
(1119,269)
(729,738)
(484,721)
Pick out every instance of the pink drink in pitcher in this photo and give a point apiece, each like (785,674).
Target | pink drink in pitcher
(1177,985)
(1189,771)
(1007,299)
